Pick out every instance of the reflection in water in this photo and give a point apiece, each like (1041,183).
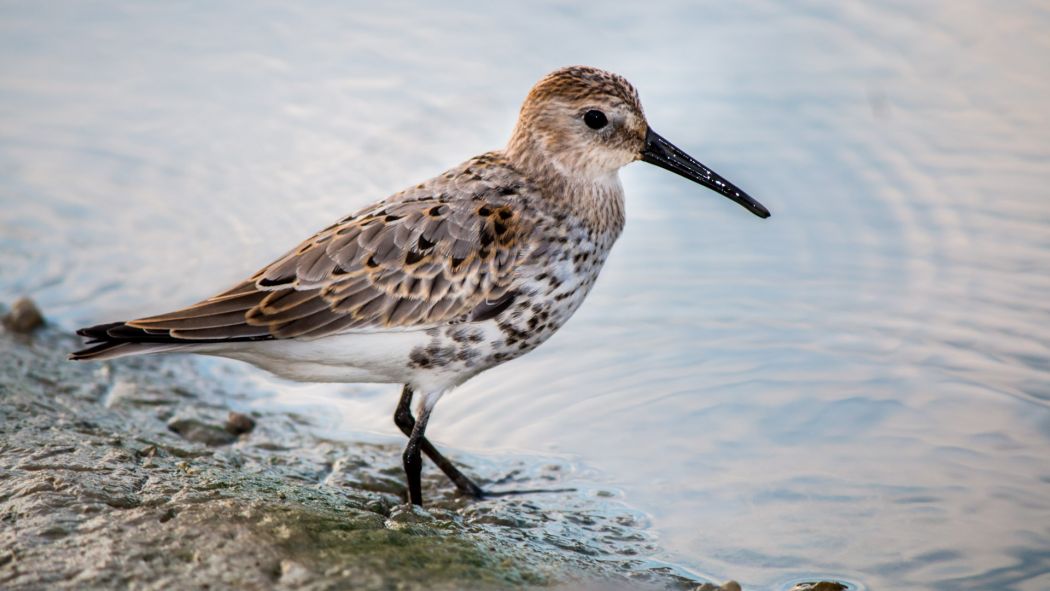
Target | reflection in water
(858,387)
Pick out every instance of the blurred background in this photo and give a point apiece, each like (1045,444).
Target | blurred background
(857,388)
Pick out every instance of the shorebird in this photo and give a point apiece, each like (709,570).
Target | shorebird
(435,284)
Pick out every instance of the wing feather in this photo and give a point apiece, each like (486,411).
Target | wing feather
(410,263)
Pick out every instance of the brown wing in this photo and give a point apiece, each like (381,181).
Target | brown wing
(404,264)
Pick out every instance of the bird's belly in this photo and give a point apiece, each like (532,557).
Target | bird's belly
(352,357)
(457,352)
(534,320)
(547,301)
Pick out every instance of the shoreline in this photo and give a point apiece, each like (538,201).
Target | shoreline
(137,473)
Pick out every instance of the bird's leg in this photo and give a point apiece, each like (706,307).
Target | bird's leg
(404,421)
(412,460)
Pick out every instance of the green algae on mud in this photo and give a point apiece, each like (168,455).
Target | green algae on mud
(97,489)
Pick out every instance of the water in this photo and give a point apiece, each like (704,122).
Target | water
(857,388)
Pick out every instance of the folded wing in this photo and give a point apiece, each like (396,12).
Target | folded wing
(408,264)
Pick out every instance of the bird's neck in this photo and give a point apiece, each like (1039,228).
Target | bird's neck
(595,199)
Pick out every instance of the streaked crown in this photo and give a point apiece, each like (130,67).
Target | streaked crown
(579,122)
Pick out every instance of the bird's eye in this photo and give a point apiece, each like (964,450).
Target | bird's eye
(595,119)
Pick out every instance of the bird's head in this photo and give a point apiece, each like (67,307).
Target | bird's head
(584,124)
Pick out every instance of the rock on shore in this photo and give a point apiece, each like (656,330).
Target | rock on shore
(134,474)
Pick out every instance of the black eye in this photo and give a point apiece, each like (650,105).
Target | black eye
(595,119)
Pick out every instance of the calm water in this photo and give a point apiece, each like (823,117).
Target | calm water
(858,387)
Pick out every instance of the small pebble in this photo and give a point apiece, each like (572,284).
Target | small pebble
(24,317)
(192,429)
(820,586)
(239,424)
(407,515)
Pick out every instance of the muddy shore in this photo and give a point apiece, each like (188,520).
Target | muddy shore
(134,473)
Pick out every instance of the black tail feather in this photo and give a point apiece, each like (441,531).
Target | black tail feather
(104,340)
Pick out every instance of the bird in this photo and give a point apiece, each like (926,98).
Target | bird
(448,278)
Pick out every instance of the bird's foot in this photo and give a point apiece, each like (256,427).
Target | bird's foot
(466,488)
(491,494)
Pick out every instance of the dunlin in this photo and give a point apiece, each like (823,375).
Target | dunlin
(444,280)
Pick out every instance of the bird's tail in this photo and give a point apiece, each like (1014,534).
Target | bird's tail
(117,339)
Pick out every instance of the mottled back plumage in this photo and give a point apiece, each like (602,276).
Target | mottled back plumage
(420,259)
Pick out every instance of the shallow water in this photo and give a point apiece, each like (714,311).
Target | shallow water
(856,388)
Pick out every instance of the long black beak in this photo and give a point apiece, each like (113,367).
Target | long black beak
(664,154)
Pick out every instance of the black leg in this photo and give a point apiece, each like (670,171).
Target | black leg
(413,462)
(404,421)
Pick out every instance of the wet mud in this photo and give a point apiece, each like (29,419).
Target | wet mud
(137,473)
